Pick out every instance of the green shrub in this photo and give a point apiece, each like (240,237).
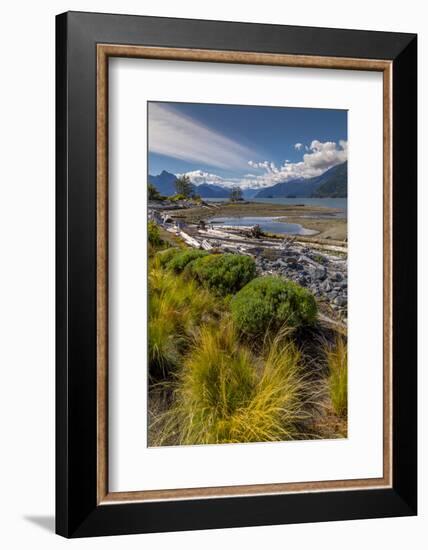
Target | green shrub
(178,197)
(223,273)
(179,261)
(163,257)
(154,234)
(268,303)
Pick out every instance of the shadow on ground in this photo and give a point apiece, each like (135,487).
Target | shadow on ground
(45,522)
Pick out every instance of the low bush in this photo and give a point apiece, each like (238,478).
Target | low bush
(178,197)
(163,257)
(269,303)
(223,273)
(227,395)
(179,261)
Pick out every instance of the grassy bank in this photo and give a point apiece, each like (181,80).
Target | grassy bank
(237,358)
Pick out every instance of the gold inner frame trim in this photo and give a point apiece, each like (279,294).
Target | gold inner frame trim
(104,51)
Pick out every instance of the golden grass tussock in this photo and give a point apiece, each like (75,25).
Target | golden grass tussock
(337,360)
(211,381)
(176,308)
(226,394)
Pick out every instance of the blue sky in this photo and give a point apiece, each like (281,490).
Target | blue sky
(249,146)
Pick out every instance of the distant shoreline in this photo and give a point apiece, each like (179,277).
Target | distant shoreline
(321,219)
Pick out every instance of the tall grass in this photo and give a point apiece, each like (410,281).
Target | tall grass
(337,360)
(222,367)
(226,394)
(153,234)
(176,308)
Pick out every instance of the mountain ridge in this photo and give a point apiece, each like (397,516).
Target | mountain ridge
(332,183)
(333,180)
(164,183)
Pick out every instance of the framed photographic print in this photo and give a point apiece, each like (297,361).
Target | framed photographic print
(236,274)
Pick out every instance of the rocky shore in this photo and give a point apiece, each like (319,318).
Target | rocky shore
(322,273)
(328,223)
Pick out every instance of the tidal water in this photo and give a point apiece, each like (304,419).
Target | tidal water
(340,204)
(267,223)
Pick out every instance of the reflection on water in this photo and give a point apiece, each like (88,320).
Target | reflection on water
(269,224)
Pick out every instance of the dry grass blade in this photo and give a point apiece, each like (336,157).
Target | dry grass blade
(225,394)
(337,360)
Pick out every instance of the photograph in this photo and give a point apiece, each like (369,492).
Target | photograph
(247,273)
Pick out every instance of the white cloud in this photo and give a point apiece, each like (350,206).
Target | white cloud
(298,146)
(319,158)
(173,134)
(269,166)
(198,177)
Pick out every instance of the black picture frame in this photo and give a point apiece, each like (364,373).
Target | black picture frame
(77,511)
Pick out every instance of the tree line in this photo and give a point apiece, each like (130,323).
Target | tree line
(185,189)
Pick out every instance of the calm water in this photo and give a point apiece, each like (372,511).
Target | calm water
(269,224)
(342,204)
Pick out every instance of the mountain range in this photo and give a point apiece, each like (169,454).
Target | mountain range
(164,183)
(333,183)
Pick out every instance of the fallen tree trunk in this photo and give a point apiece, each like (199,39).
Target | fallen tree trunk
(190,240)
